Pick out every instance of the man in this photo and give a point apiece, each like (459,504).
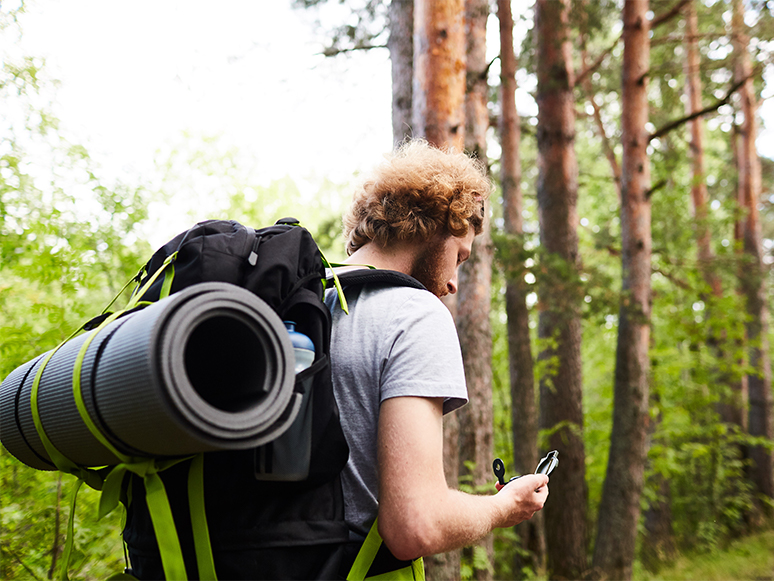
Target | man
(396,361)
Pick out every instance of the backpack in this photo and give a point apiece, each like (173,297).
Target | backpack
(266,524)
(274,510)
(279,504)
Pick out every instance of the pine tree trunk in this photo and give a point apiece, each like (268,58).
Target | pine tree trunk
(731,403)
(761,422)
(530,554)
(588,88)
(473,296)
(699,195)
(446,566)
(438,115)
(56,548)
(621,494)
(657,544)
(559,325)
(401,47)
(439,72)
(476,419)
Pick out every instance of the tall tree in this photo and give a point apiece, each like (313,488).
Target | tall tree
(731,404)
(439,72)
(473,297)
(401,45)
(620,503)
(559,324)
(531,551)
(753,279)
(438,113)
(584,79)
(693,104)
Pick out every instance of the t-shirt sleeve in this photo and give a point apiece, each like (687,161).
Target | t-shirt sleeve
(422,354)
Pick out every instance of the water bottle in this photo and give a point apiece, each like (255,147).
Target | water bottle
(286,459)
(303,347)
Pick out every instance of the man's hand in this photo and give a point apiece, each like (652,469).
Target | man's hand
(419,514)
(522,498)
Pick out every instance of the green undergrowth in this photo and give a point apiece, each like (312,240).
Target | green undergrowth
(750,558)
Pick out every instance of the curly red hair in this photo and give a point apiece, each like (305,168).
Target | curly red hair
(416,193)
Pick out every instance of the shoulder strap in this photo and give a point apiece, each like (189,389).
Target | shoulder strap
(415,571)
(376,276)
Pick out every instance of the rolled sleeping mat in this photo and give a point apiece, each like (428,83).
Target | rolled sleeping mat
(208,368)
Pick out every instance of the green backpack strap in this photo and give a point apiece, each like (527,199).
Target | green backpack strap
(367,554)
(201,532)
(147,468)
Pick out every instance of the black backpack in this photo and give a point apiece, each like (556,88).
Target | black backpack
(264,520)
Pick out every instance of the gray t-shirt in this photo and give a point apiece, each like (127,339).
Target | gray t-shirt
(396,341)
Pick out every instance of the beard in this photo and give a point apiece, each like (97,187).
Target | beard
(427,267)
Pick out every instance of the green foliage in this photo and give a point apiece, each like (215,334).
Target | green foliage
(750,557)
(207,178)
(35,508)
(69,240)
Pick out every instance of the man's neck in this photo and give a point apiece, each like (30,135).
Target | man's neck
(398,257)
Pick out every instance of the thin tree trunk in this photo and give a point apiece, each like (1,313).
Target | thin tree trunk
(559,325)
(731,403)
(753,279)
(476,419)
(401,47)
(446,566)
(56,548)
(530,554)
(473,296)
(699,195)
(657,545)
(730,406)
(620,505)
(588,88)
(438,114)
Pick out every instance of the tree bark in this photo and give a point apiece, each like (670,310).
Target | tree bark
(477,419)
(699,196)
(531,552)
(439,72)
(559,325)
(753,279)
(446,566)
(731,397)
(657,545)
(473,296)
(401,47)
(620,505)
(438,114)
(56,548)
(588,88)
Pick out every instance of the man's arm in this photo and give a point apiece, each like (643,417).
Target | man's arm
(419,514)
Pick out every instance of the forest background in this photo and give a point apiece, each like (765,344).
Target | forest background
(74,229)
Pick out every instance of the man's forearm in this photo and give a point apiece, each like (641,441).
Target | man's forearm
(418,513)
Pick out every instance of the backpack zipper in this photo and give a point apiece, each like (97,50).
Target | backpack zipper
(252,258)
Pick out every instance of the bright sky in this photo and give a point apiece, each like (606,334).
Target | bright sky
(137,74)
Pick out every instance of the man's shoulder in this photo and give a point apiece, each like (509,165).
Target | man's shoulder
(394,300)
(386,292)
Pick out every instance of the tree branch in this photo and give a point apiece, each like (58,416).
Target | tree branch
(655,188)
(593,66)
(332,51)
(671,13)
(715,106)
(20,561)
(613,251)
